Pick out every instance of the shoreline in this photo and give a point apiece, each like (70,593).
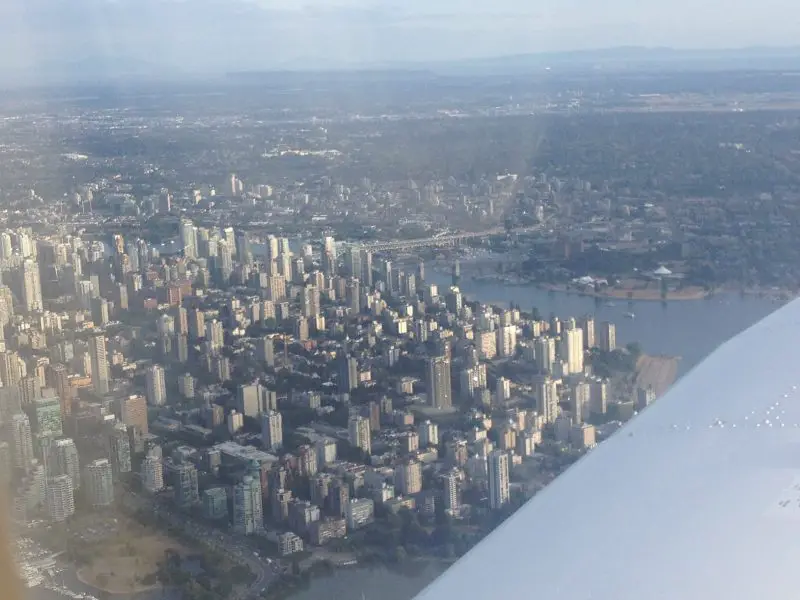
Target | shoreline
(622,294)
(513,279)
(690,294)
(115,592)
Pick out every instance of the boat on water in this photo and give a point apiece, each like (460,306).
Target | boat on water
(630,315)
(609,303)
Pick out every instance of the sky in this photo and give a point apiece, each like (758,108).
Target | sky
(219,35)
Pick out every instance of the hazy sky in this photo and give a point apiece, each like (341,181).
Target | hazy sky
(222,34)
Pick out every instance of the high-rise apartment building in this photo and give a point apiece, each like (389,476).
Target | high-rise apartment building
(506,340)
(581,401)
(215,335)
(188,235)
(6,461)
(153,473)
(472,380)
(99,361)
(248,517)
(63,460)
(450,491)
(353,295)
(248,399)
(10,371)
(272,430)
(197,324)
(498,479)
(60,498)
(502,389)
(23,441)
(120,449)
(57,377)
(186,385)
(545,351)
(48,415)
(310,301)
(428,434)
(185,484)
(31,286)
(181,319)
(347,377)
(100,483)
(608,336)
(366,268)
(133,412)
(360,434)
(30,389)
(408,477)
(100,311)
(587,324)
(546,393)
(215,503)
(572,344)
(156,386)
(265,351)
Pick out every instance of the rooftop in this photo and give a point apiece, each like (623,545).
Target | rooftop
(245,453)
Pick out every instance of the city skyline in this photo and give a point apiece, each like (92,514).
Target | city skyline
(272,316)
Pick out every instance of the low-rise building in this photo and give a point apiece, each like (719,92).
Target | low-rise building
(359,512)
(321,532)
(289,543)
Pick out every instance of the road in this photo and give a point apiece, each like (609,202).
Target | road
(221,541)
(446,240)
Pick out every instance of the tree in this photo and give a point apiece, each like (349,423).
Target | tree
(635,350)
(224,588)
(450,551)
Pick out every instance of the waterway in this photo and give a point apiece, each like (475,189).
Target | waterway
(691,329)
(374,583)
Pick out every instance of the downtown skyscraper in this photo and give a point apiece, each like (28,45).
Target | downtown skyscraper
(248,516)
(99,359)
(100,482)
(31,286)
(498,479)
(156,386)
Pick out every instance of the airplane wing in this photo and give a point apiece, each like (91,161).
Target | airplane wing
(696,498)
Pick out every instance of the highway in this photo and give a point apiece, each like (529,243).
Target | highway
(446,240)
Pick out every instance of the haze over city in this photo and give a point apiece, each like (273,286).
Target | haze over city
(165,36)
(305,301)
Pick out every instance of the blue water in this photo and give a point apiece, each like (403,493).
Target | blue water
(691,329)
(375,583)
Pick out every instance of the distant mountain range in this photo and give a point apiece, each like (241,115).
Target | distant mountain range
(635,57)
(116,69)
(623,58)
